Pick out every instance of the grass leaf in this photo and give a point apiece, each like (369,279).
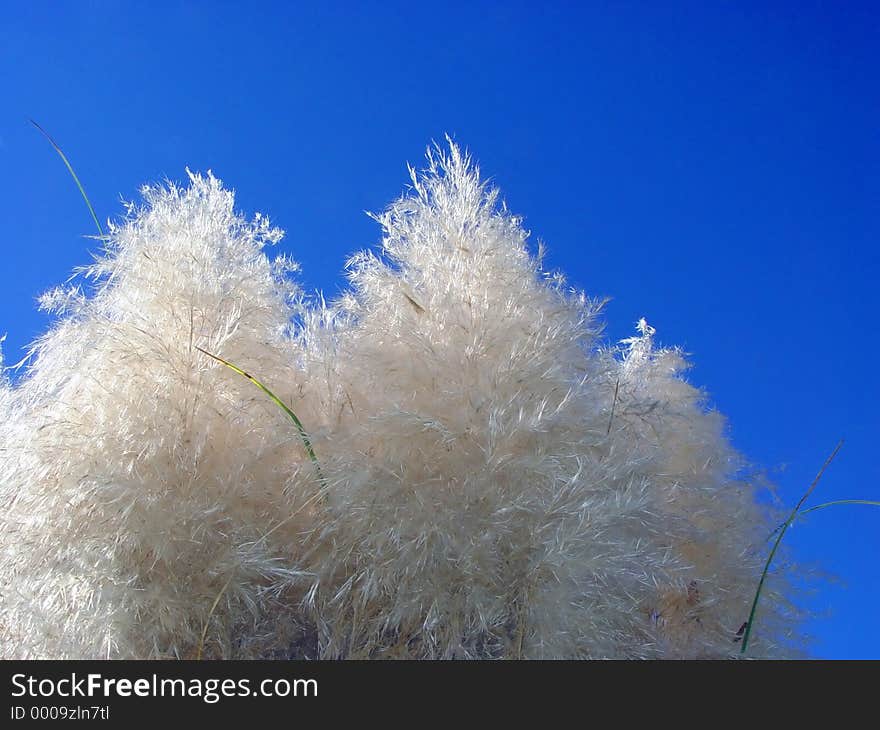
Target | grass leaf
(307,443)
(828,504)
(73,174)
(840,501)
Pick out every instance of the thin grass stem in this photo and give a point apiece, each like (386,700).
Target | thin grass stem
(782,531)
(211,613)
(613,406)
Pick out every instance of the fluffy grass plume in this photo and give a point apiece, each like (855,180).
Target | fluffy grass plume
(473,472)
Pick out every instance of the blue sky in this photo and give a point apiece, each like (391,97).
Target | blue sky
(714,167)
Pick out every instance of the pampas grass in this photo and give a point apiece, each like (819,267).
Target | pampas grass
(472,471)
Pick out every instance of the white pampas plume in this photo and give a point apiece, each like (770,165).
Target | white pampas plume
(137,478)
(483,504)
(488,481)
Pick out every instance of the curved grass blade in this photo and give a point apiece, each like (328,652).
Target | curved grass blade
(829,504)
(307,443)
(73,174)
(785,526)
(840,501)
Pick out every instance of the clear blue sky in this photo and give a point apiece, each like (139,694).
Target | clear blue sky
(714,167)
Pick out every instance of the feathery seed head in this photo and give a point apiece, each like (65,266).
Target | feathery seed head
(494,482)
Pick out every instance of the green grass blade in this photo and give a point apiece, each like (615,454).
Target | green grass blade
(307,443)
(828,504)
(782,531)
(840,501)
(73,174)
